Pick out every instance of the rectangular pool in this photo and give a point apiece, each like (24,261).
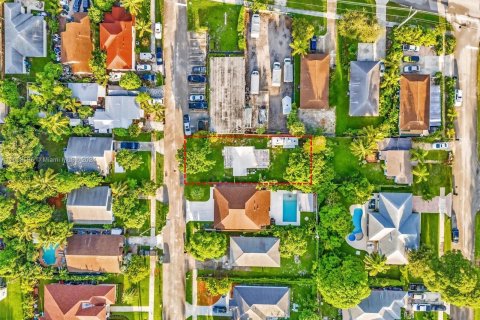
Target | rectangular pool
(49,256)
(289,207)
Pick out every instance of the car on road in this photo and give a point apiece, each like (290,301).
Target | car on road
(458,97)
(159,56)
(201,105)
(411,59)
(411,68)
(410,47)
(144,67)
(196,97)
(146,56)
(131,145)
(197,78)
(199,69)
(440,145)
(148,77)
(158,30)
(186,125)
(313,43)
(219,309)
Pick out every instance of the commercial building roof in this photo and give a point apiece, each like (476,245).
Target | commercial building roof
(414,103)
(241,207)
(25,36)
(380,305)
(117,38)
(261,302)
(364,88)
(254,252)
(119,112)
(87,93)
(71,302)
(314,81)
(77,44)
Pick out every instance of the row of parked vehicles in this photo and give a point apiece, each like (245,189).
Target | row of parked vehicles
(197,75)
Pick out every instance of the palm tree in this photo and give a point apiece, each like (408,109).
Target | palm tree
(159,112)
(71,104)
(375,263)
(142,27)
(44,182)
(372,134)
(360,148)
(144,100)
(299,47)
(119,188)
(419,155)
(55,233)
(421,173)
(133,6)
(55,125)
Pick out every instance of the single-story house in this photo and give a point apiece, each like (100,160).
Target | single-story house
(254,252)
(119,112)
(260,302)
(86,154)
(240,159)
(94,253)
(314,81)
(414,104)
(394,226)
(398,165)
(117,38)
(88,94)
(90,206)
(83,301)
(25,36)
(364,88)
(380,305)
(77,44)
(240,207)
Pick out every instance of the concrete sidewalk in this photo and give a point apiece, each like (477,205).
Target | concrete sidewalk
(129,309)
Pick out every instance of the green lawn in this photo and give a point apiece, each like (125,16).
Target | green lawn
(157,311)
(188,287)
(129,316)
(440,175)
(437,155)
(142,137)
(429,230)
(398,13)
(54,159)
(161,216)
(313,5)
(319,23)
(159,163)
(11,306)
(204,15)
(422,315)
(212,318)
(142,173)
(296,78)
(367,5)
(189,189)
(477,235)
(447,244)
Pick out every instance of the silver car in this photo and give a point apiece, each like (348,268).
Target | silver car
(196,97)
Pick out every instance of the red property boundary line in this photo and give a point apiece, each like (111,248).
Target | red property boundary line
(240,136)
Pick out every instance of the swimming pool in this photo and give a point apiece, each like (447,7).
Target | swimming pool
(49,256)
(289,207)
(357,232)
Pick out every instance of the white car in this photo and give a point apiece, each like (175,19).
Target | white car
(144,67)
(147,56)
(186,125)
(158,30)
(410,47)
(196,97)
(440,145)
(458,97)
(114,76)
(411,68)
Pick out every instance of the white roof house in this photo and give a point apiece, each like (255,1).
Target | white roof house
(240,159)
(87,93)
(90,206)
(395,227)
(119,112)
(380,305)
(260,302)
(254,252)
(84,154)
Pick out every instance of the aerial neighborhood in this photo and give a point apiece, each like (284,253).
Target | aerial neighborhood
(246,160)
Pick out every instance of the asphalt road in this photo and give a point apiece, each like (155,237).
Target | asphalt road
(175,57)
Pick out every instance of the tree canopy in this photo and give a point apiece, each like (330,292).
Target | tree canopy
(129,160)
(137,269)
(9,93)
(293,240)
(130,81)
(205,245)
(335,225)
(359,26)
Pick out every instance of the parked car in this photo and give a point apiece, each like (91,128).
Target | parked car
(147,56)
(411,68)
(144,67)
(440,145)
(421,307)
(313,43)
(159,56)
(382,68)
(438,307)
(202,105)
(197,78)
(219,309)
(196,97)
(149,77)
(458,97)
(418,287)
(186,125)
(132,145)
(410,47)
(455,232)
(114,76)
(411,58)
(158,30)
(199,69)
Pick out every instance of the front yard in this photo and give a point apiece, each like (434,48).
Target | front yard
(439,175)
(142,173)
(429,230)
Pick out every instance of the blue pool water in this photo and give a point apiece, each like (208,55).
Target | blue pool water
(289,208)
(357,232)
(49,255)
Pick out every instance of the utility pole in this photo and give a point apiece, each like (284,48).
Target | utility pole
(410,16)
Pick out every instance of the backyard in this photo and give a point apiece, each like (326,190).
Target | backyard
(429,230)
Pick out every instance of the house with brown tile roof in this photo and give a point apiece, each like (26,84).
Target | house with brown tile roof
(94,253)
(314,81)
(74,302)
(77,44)
(117,37)
(241,207)
(414,104)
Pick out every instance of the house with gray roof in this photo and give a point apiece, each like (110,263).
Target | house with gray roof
(364,88)
(260,302)
(86,154)
(119,112)
(394,226)
(88,94)
(25,36)
(380,305)
(254,252)
(90,206)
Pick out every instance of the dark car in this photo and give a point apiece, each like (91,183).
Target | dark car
(438,307)
(411,59)
(313,43)
(219,309)
(197,78)
(199,69)
(130,145)
(76,5)
(198,105)
(159,56)
(149,77)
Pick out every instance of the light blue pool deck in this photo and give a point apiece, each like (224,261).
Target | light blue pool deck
(49,256)
(289,207)
(357,232)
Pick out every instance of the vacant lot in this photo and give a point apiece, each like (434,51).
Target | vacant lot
(429,231)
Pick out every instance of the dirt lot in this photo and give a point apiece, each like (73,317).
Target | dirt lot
(271,46)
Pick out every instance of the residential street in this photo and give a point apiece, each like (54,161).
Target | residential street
(175,55)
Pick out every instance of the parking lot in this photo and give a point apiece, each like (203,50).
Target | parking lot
(430,63)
